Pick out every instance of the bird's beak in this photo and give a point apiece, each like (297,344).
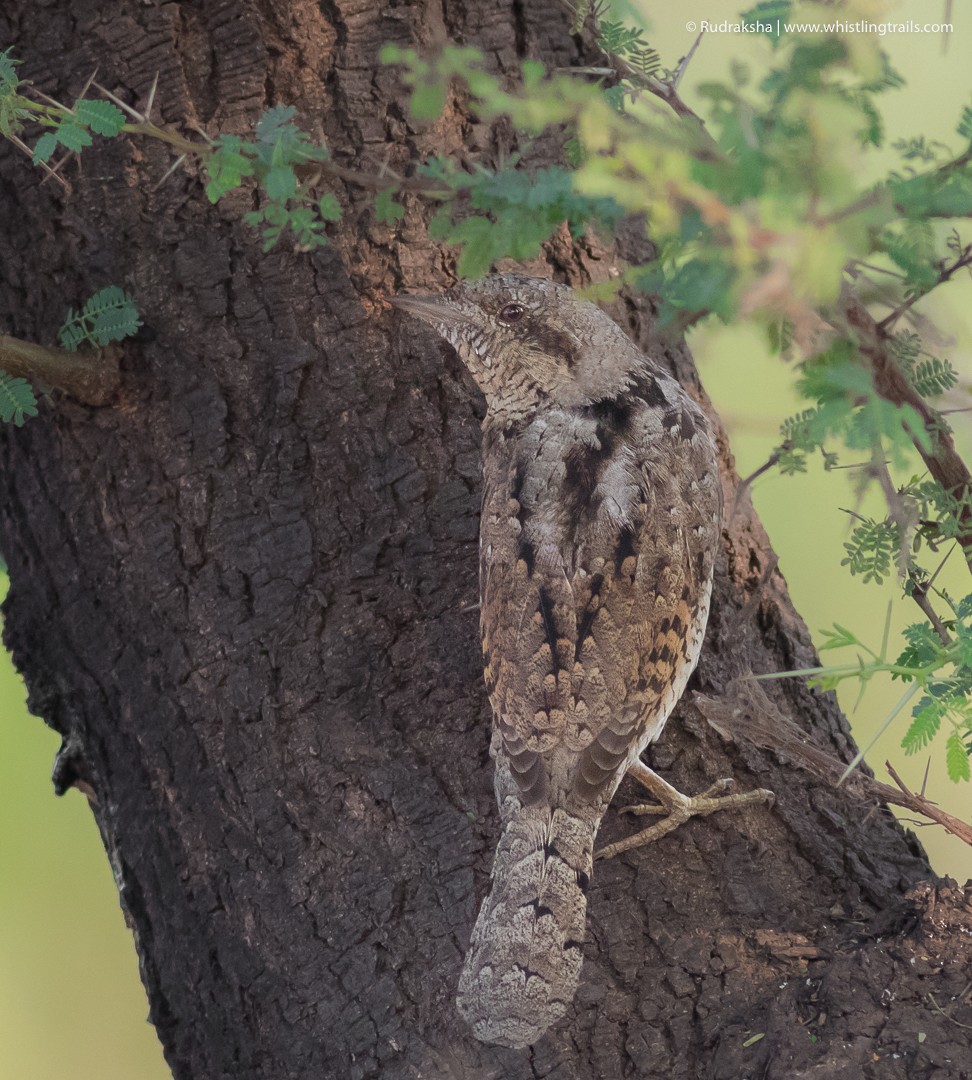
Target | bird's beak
(438,310)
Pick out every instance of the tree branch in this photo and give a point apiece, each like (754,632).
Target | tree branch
(943,461)
(747,713)
(944,274)
(660,88)
(91,378)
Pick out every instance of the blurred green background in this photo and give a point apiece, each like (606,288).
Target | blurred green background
(70,998)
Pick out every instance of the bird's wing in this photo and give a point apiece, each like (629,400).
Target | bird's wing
(593,623)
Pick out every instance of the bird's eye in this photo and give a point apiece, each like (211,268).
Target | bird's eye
(511,313)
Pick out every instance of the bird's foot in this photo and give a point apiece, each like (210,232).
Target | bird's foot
(678,808)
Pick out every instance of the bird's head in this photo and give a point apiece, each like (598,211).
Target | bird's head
(530,343)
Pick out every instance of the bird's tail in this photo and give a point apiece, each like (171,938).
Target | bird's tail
(524,959)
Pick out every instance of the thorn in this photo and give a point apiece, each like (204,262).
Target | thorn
(170,170)
(22,146)
(87,85)
(121,104)
(685,61)
(199,131)
(151,97)
(53,101)
(52,170)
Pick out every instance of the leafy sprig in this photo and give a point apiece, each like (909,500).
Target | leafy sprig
(109,315)
(17,401)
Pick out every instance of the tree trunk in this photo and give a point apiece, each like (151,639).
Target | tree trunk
(243,591)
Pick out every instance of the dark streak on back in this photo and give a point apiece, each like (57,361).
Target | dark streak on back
(625,547)
(587,619)
(549,625)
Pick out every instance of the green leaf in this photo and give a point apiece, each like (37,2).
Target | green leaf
(769,13)
(101,116)
(73,135)
(477,235)
(932,377)
(109,315)
(307,227)
(957,758)
(230,160)
(791,462)
(923,647)
(387,211)
(934,195)
(838,638)
(17,400)
(274,123)
(329,208)
(109,298)
(45,147)
(8,68)
(395,54)
(872,549)
(911,244)
(428,101)
(280,183)
(927,719)
(965,124)
(115,325)
(14,109)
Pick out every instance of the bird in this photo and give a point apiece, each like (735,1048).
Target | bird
(601,519)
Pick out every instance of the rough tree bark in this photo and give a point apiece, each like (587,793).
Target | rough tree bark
(243,592)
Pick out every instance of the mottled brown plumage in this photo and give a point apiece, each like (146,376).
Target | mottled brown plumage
(600,522)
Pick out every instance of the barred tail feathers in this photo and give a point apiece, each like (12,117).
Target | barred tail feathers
(524,959)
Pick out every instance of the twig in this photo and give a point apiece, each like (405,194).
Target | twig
(896,508)
(946,272)
(745,712)
(920,805)
(665,91)
(876,269)
(685,61)
(942,459)
(919,593)
(745,485)
(601,71)
(920,596)
(24,148)
(939,1009)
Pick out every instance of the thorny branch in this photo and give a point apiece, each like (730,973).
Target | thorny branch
(747,713)
(944,274)
(942,459)
(664,89)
